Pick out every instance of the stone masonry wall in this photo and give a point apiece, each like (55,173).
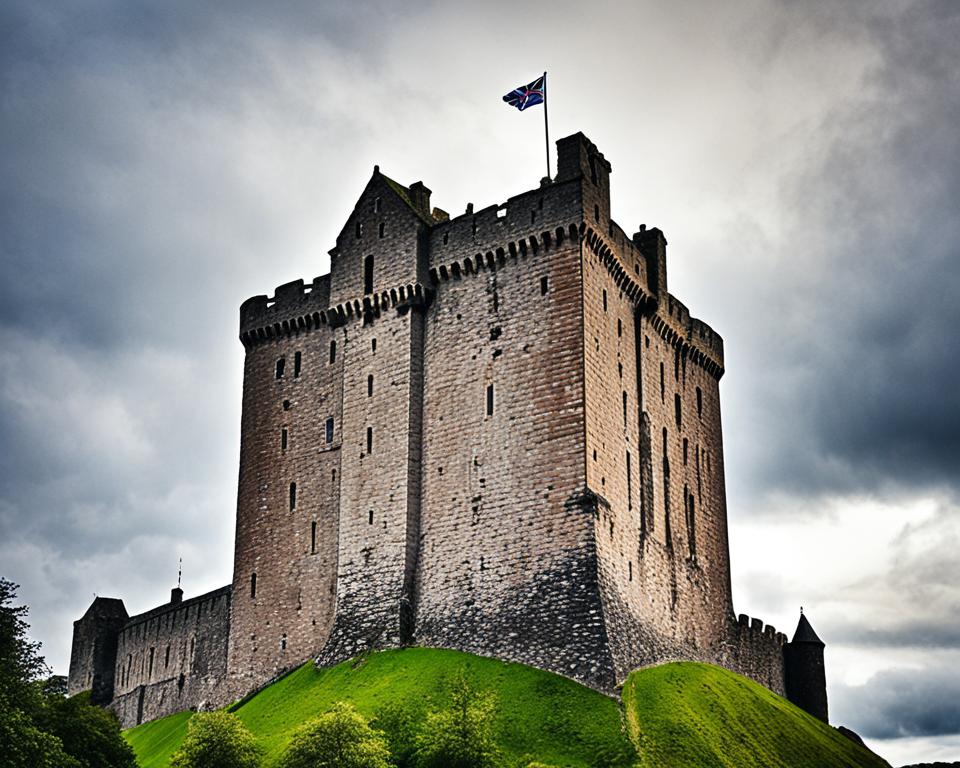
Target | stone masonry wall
(172,658)
(288,507)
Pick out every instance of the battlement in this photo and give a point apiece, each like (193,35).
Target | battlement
(134,622)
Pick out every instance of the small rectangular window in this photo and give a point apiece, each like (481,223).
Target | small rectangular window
(333,352)
(699,403)
(313,537)
(543,285)
(629,483)
(370,517)
(328,431)
(381,230)
(376,205)
(253,585)
(293,496)
(625,410)
(359,230)
(677,408)
(604,299)
(370,385)
(662,386)
(490,400)
(368,274)
(369,440)
(373,345)
(297,357)
(280,365)
(283,439)
(685,447)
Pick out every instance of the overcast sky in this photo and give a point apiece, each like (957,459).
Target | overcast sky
(162,162)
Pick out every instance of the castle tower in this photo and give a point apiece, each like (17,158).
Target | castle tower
(93,653)
(804,672)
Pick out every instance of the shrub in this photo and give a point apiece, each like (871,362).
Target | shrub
(400,726)
(217,740)
(340,738)
(462,735)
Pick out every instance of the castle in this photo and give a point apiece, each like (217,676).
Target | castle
(497,433)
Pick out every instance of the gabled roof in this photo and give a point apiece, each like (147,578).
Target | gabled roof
(403,193)
(805,633)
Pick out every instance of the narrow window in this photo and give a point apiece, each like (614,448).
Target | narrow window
(676,409)
(283,643)
(661,383)
(446,238)
(373,345)
(619,327)
(359,230)
(381,229)
(629,483)
(664,442)
(313,537)
(699,403)
(620,369)
(370,385)
(293,496)
(376,205)
(368,274)
(646,342)
(328,430)
(624,410)
(370,517)
(692,527)
(286,405)
(166,658)
(253,585)
(596,212)
(369,439)
(283,439)
(280,364)
(150,666)
(333,352)
(543,285)
(630,570)
(489,399)
(533,216)
(604,299)
(297,358)
(684,451)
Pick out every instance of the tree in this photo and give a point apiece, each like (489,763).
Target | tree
(340,738)
(217,740)
(89,733)
(39,726)
(21,664)
(462,735)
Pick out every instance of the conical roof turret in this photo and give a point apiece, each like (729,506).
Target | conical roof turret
(804,632)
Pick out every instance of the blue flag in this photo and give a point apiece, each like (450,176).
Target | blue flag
(527,95)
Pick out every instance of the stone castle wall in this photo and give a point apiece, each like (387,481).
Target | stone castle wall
(172,658)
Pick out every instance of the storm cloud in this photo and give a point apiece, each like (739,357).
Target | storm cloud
(166,161)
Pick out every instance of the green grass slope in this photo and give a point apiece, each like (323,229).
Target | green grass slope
(699,716)
(681,715)
(544,716)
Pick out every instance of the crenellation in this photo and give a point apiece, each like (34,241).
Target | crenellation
(496,432)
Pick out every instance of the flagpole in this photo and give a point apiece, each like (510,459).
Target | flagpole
(546,125)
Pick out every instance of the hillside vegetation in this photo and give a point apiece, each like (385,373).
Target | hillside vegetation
(688,715)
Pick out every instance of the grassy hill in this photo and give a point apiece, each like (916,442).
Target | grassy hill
(688,715)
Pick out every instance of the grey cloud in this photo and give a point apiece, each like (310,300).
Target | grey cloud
(904,702)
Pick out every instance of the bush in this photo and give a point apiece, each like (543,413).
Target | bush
(340,738)
(400,726)
(217,740)
(461,736)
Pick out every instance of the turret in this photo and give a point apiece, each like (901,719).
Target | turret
(804,674)
(94,652)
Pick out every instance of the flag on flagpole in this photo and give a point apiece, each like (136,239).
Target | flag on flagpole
(527,95)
